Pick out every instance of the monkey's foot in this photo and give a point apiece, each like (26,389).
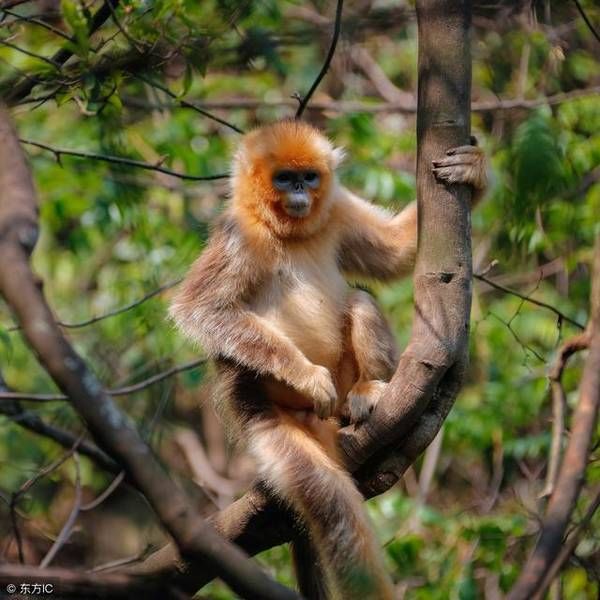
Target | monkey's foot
(362,398)
(464,164)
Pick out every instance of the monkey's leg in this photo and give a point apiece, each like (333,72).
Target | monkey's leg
(296,467)
(375,353)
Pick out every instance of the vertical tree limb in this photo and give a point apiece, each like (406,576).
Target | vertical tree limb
(443,270)
(197,540)
(532,582)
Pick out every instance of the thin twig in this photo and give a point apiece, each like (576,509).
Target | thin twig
(122,391)
(124,31)
(65,532)
(122,562)
(114,312)
(187,104)
(334,40)
(16,496)
(45,59)
(587,21)
(31,421)
(34,21)
(540,303)
(112,486)
(58,152)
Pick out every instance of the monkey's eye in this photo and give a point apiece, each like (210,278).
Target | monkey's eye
(283,178)
(311,176)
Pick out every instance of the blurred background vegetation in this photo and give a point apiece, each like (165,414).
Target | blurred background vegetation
(461,522)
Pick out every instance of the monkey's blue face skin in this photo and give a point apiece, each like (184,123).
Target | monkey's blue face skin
(295,186)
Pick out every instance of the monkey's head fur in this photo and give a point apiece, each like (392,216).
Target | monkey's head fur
(284,178)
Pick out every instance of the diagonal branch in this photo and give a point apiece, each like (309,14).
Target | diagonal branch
(120,160)
(116,311)
(197,540)
(587,20)
(532,582)
(562,316)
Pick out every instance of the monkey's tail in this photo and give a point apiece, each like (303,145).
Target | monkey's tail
(309,575)
(300,472)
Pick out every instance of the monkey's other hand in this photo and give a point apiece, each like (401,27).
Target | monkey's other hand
(464,164)
(321,389)
(362,398)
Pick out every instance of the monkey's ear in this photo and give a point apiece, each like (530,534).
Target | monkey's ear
(338,155)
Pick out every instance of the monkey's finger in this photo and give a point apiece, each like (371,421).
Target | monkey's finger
(360,407)
(457,159)
(468,149)
(454,174)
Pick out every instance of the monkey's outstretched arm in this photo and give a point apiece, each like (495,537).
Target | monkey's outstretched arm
(377,245)
(210,308)
(374,243)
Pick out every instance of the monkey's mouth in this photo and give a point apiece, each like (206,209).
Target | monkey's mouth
(297,211)
(297,205)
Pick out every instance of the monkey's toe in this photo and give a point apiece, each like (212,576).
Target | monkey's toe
(362,399)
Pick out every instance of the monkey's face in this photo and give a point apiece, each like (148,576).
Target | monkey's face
(295,187)
(284,174)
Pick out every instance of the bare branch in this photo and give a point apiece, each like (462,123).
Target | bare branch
(571,543)
(334,40)
(65,532)
(562,316)
(45,59)
(186,104)
(34,21)
(122,391)
(120,160)
(559,403)
(114,484)
(385,88)
(31,421)
(114,312)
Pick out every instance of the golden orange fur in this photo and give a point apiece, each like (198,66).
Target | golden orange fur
(268,299)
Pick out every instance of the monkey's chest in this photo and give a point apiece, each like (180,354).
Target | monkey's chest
(306,302)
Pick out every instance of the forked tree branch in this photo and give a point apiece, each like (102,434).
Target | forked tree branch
(197,541)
